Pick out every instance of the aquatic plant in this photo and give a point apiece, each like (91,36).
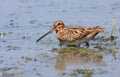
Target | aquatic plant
(114,29)
(113,37)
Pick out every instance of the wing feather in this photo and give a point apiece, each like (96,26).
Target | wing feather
(72,34)
(75,33)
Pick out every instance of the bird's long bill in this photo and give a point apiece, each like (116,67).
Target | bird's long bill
(44,35)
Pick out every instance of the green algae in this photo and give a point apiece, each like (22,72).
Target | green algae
(74,50)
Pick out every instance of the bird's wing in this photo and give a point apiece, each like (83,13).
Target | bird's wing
(72,34)
(75,33)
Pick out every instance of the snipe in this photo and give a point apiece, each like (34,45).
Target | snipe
(73,36)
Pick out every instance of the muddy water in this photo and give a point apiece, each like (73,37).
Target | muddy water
(24,21)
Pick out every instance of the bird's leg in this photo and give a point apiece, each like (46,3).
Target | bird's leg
(72,46)
(87,44)
(60,43)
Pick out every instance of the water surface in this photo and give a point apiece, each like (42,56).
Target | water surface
(24,21)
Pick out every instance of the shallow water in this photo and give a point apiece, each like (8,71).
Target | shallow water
(24,21)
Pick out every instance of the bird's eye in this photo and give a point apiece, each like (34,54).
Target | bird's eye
(58,23)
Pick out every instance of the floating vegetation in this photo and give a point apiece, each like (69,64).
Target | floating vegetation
(27,59)
(13,23)
(25,37)
(114,30)
(73,50)
(84,71)
(47,56)
(10,32)
(33,21)
(8,68)
(39,74)
(10,47)
(48,41)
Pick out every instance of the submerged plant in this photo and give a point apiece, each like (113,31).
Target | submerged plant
(113,37)
(114,30)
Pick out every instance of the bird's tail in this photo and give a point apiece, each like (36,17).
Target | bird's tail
(99,29)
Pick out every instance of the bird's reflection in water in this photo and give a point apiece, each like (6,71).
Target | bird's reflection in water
(78,56)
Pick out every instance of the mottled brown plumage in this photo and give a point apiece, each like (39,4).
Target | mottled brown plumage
(73,36)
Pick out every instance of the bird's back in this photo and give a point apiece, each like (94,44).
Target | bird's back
(75,33)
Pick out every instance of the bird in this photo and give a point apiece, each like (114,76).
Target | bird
(73,36)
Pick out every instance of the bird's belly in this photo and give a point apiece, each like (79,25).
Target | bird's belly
(76,42)
(68,43)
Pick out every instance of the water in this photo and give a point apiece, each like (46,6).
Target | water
(24,21)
